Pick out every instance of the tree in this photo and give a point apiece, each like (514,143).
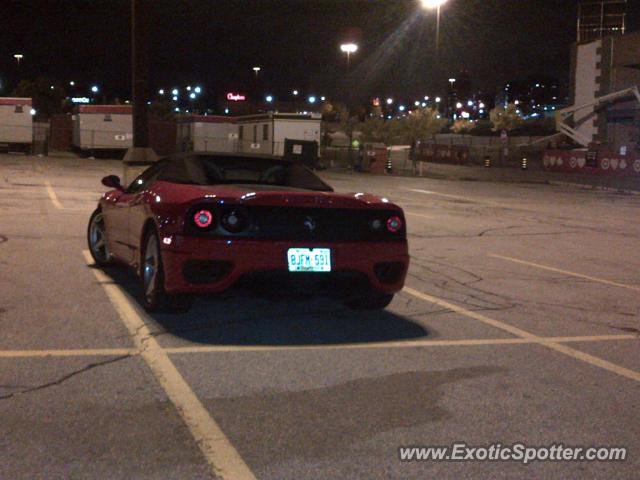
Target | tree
(505,119)
(419,124)
(375,129)
(46,100)
(348,122)
(463,126)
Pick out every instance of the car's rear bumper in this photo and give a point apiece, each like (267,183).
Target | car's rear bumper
(244,257)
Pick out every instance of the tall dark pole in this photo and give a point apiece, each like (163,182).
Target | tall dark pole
(140,71)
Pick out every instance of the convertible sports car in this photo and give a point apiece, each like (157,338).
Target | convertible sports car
(194,223)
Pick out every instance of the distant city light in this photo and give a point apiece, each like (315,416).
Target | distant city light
(72,83)
(481,111)
(465,114)
(517,102)
(95,89)
(423,104)
(192,95)
(295,92)
(197,89)
(389,101)
(458,105)
(161,91)
(402,108)
(417,103)
(470,103)
(481,105)
(174,91)
(323,98)
(438,99)
(312,99)
(269,98)
(32,111)
(176,109)
(175,98)
(426,97)
(188,88)
(226,110)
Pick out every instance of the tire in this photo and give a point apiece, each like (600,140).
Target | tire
(97,240)
(155,297)
(369,301)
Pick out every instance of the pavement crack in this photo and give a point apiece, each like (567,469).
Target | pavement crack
(66,377)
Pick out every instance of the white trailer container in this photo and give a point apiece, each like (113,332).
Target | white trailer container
(102,127)
(266,133)
(16,122)
(208,133)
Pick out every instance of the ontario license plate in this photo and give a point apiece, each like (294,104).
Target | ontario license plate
(309,259)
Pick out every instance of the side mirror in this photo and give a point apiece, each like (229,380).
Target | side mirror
(112,181)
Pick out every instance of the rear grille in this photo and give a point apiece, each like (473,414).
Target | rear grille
(309,224)
(282,282)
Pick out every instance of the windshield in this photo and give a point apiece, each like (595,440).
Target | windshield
(220,170)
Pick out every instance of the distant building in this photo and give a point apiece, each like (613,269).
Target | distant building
(601,67)
(534,96)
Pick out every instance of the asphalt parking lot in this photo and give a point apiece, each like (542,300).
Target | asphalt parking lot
(520,322)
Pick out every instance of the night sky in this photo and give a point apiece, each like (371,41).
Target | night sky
(215,43)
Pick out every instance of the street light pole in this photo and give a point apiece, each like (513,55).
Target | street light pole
(349,48)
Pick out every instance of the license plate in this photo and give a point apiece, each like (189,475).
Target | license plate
(309,259)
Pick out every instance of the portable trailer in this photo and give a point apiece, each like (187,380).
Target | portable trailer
(102,127)
(16,123)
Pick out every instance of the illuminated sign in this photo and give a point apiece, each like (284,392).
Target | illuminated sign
(80,100)
(236,97)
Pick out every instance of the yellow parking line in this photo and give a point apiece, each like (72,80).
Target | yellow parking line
(400,344)
(567,272)
(221,455)
(426,343)
(53,196)
(81,352)
(578,355)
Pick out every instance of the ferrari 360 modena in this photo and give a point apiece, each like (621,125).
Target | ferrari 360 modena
(200,223)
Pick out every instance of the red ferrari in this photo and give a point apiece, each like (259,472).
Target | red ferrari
(194,223)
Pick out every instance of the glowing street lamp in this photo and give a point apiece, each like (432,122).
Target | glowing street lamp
(95,89)
(430,5)
(269,98)
(18,57)
(256,70)
(348,48)
(174,91)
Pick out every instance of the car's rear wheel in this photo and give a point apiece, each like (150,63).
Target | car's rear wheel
(369,301)
(97,239)
(156,299)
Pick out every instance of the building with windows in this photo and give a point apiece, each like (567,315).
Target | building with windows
(603,67)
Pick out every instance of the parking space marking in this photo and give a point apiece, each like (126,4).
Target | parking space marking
(428,217)
(455,197)
(221,455)
(471,342)
(53,196)
(576,354)
(567,272)
(80,352)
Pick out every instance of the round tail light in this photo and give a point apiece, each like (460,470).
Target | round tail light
(203,218)
(234,221)
(394,224)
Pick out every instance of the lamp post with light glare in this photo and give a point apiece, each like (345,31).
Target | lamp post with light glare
(430,5)
(256,70)
(18,57)
(349,48)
